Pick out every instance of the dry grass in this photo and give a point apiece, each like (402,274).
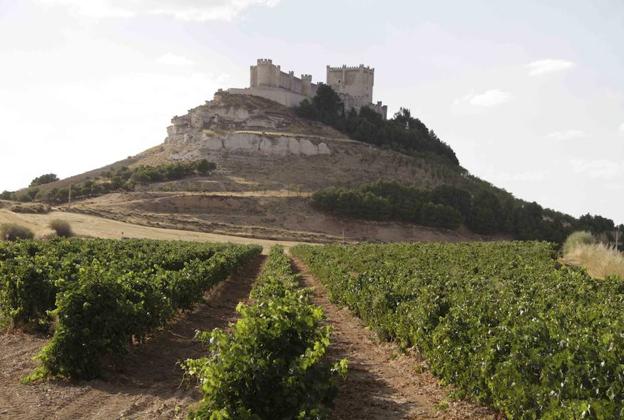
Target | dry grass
(599,260)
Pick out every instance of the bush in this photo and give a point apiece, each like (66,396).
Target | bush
(111,303)
(272,363)
(576,239)
(62,228)
(44,179)
(13,232)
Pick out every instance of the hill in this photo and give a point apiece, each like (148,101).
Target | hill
(269,161)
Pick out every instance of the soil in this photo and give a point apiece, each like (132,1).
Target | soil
(383,382)
(149,383)
(98,227)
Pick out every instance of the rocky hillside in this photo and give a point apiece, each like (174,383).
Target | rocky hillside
(268,163)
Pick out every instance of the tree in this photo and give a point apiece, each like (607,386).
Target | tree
(487,213)
(43,179)
(459,199)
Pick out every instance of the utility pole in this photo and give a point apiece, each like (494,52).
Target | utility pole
(69,196)
(617,237)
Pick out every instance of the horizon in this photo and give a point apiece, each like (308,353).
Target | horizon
(529,98)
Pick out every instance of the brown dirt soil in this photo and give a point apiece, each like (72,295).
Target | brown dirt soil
(148,385)
(278,215)
(98,227)
(383,382)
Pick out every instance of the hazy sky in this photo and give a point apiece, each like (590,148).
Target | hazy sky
(530,94)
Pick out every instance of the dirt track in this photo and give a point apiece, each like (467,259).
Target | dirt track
(147,386)
(383,383)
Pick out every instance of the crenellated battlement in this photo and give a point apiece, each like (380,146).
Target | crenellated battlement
(354,84)
(361,67)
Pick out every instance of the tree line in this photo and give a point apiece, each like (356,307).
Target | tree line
(449,207)
(403,132)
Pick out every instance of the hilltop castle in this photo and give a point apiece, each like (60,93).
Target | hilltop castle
(354,85)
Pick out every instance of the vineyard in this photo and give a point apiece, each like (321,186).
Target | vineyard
(272,363)
(102,295)
(503,322)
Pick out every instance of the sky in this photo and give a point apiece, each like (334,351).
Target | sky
(529,94)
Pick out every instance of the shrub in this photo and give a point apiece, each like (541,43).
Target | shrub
(13,232)
(62,228)
(108,304)
(272,363)
(44,179)
(577,238)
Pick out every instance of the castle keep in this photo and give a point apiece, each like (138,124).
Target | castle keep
(354,85)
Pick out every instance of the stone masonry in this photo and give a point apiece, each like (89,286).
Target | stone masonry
(353,84)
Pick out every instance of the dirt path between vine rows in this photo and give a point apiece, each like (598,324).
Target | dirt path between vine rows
(146,386)
(383,382)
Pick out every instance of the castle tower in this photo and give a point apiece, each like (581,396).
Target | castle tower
(354,82)
(265,73)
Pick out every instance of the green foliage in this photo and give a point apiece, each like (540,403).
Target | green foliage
(487,214)
(170,171)
(502,321)
(578,238)
(387,201)
(595,224)
(26,293)
(448,207)
(44,179)
(13,232)
(104,293)
(403,133)
(440,216)
(271,364)
(120,179)
(62,228)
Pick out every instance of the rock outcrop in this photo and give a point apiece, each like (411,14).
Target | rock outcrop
(248,124)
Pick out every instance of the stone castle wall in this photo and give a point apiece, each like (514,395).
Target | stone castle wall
(353,84)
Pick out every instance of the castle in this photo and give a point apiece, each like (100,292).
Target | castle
(354,85)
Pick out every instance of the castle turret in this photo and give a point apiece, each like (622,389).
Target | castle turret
(267,74)
(306,84)
(353,84)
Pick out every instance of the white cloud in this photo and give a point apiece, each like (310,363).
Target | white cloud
(190,10)
(549,65)
(566,135)
(489,98)
(171,59)
(598,169)
(621,129)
